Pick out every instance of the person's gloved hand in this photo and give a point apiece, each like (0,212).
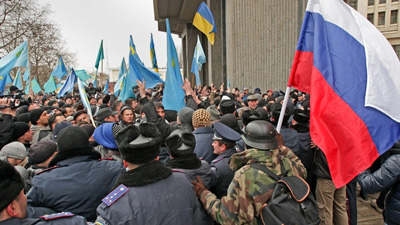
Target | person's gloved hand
(198,186)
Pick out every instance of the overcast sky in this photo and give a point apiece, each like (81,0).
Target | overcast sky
(84,23)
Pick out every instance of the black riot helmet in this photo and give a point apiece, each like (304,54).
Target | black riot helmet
(260,134)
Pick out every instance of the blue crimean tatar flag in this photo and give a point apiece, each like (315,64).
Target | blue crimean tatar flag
(174,95)
(60,71)
(153,54)
(199,58)
(69,84)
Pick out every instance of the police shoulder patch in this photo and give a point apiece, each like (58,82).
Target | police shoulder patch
(57,216)
(115,195)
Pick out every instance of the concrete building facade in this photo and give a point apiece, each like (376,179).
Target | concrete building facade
(254,44)
(384,14)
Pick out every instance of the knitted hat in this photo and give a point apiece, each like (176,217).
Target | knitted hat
(214,113)
(41,151)
(14,150)
(103,135)
(88,128)
(185,115)
(34,115)
(11,184)
(72,138)
(60,126)
(180,143)
(231,121)
(139,144)
(201,118)
(20,129)
(23,117)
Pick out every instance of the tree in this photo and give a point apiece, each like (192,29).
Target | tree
(26,19)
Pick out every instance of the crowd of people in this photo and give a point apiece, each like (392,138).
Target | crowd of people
(137,163)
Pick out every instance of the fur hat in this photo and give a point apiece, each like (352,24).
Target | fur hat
(180,143)
(11,184)
(227,106)
(301,116)
(72,137)
(139,144)
(34,115)
(201,118)
(250,115)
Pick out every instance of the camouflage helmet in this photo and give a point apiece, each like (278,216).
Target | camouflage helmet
(260,134)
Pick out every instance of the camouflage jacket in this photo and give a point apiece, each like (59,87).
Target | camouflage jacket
(250,188)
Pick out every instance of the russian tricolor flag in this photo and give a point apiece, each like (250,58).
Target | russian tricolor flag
(353,76)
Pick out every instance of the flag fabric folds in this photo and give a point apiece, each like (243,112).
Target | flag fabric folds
(27,74)
(18,80)
(138,71)
(84,99)
(105,90)
(204,21)
(69,84)
(35,86)
(122,69)
(125,90)
(118,85)
(4,81)
(173,98)
(336,61)
(199,58)
(82,75)
(17,57)
(60,71)
(50,85)
(153,57)
(100,56)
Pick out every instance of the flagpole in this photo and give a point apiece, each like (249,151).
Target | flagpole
(30,73)
(281,116)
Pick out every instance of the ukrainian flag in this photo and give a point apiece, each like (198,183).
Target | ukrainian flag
(204,21)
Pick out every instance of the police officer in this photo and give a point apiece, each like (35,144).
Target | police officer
(224,146)
(13,202)
(150,192)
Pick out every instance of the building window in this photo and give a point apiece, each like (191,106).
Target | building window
(382,1)
(370,17)
(397,50)
(395,0)
(371,2)
(393,17)
(381,18)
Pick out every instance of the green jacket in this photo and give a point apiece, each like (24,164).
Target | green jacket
(250,188)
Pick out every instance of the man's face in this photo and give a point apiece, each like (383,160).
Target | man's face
(68,101)
(119,106)
(161,112)
(83,117)
(134,104)
(252,103)
(44,119)
(93,101)
(69,111)
(14,161)
(27,137)
(127,116)
(246,92)
(58,120)
(218,148)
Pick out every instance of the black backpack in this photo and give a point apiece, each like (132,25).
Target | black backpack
(291,201)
